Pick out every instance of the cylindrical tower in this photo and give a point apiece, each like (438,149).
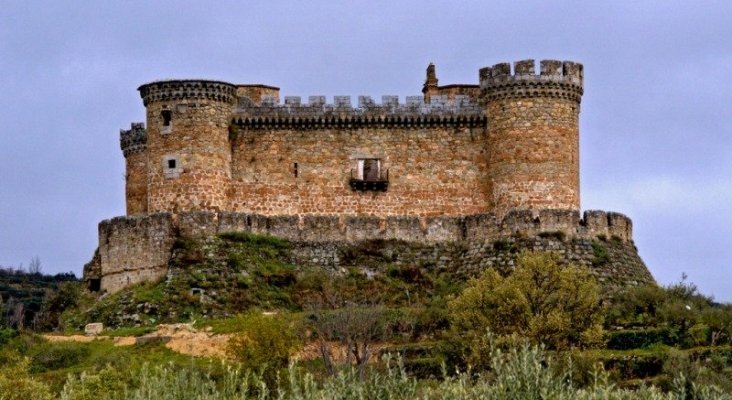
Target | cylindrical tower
(134,147)
(533,134)
(189,156)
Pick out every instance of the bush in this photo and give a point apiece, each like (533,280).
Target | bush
(637,339)
(599,253)
(6,334)
(540,300)
(16,383)
(53,356)
(266,342)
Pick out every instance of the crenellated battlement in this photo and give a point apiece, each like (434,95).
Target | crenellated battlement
(334,228)
(316,112)
(133,140)
(558,79)
(479,167)
(187,89)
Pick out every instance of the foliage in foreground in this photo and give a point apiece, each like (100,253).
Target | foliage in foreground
(523,372)
(519,372)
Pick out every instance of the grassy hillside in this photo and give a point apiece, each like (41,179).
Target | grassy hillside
(336,327)
(29,300)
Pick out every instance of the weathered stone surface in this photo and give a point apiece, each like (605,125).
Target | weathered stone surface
(93,329)
(135,249)
(461,166)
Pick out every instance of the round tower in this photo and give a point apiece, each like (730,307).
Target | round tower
(134,147)
(533,134)
(189,156)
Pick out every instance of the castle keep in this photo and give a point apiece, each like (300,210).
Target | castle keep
(469,163)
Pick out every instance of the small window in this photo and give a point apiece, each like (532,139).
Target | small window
(171,167)
(95,285)
(295,170)
(167,116)
(369,175)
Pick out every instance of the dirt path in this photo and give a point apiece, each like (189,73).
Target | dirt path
(181,338)
(185,339)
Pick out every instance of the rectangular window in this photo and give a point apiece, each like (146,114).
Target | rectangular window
(371,168)
(368,175)
(171,167)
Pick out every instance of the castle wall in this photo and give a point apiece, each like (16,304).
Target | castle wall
(136,249)
(134,147)
(431,170)
(621,268)
(255,93)
(533,134)
(136,183)
(196,137)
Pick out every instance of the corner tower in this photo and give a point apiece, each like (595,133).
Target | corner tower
(134,147)
(189,156)
(533,134)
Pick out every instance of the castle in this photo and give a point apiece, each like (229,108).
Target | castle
(461,163)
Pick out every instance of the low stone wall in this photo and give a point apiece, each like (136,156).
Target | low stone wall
(138,248)
(620,267)
(134,249)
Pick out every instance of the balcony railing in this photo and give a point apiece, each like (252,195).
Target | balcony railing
(377,184)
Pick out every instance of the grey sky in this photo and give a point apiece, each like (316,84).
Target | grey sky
(655,122)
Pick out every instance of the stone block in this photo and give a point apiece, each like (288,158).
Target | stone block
(93,329)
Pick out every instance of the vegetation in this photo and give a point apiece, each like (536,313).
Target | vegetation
(30,299)
(521,372)
(384,328)
(266,343)
(539,300)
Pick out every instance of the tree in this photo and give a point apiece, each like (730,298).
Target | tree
(266,342)
(355,328)
(540,300)
(35,266)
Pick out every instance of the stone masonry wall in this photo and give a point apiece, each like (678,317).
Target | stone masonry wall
(621,268)
(533,134)
(298,159)
(431,170)
(196,137)
(134,147)
(135,249)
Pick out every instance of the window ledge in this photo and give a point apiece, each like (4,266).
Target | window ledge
(362,185)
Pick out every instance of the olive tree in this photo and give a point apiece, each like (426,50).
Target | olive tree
(540,300)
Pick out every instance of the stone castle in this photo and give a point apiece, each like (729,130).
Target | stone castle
(469,163)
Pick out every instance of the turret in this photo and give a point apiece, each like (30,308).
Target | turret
(189,155)
(134,147)
(430,87)
(533,134)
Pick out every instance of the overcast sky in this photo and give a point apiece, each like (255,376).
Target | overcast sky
(655,122)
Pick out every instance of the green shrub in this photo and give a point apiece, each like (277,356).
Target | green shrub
(257,240)
(53,356)
(17,384)
(6,334)
(540,300)
(600,255)
(265,342)
(640,338)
